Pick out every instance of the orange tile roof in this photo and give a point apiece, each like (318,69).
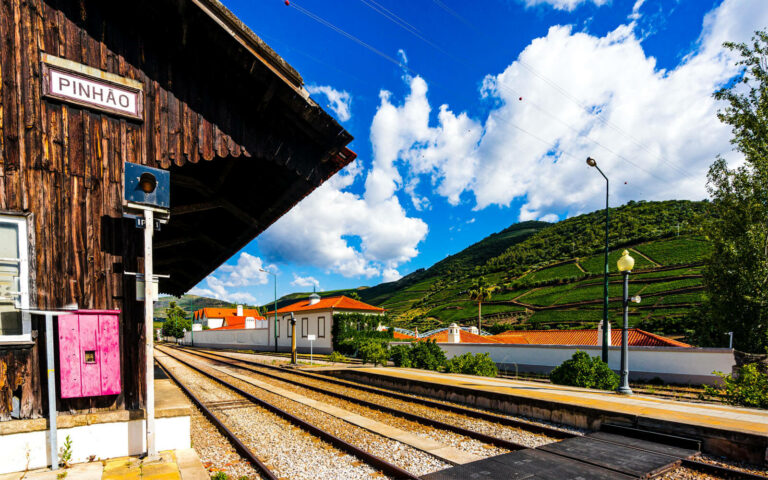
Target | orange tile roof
(212,312)
(636,338)
(401,336)
(336,303)
(234,322)
(464,337)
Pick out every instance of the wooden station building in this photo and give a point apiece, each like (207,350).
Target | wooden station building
(87,86)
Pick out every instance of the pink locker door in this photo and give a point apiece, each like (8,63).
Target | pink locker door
(89,355)
(69,356)
(109,351)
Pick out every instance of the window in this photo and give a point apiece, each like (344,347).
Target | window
(320,327)
(288,324)
(304,327)
(277,327)
(14,280)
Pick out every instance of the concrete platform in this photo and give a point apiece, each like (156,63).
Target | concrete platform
(182,464)
(24,443)
(738,433)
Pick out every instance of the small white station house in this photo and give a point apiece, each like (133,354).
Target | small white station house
(313,315)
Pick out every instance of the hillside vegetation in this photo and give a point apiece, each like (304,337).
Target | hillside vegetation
(550,275)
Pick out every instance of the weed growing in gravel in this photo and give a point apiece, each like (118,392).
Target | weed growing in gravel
(219,476)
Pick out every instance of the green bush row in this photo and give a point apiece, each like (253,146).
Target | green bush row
(586,372)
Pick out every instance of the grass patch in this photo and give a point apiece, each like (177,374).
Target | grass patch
(567,270)
(677,250)
(596,263)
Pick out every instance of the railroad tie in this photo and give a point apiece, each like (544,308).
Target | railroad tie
(443,452)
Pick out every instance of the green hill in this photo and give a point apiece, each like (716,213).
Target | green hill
(550,275)
(189,303)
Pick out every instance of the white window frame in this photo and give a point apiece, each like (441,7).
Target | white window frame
(22,300)
(277,326)
(304,330)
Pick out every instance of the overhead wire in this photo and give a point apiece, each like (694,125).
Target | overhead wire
(565,93)
(543,110)
(410,70)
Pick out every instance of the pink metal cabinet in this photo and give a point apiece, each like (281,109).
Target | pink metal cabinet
(89,353)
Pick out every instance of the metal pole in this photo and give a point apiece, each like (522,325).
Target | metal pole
(606,337)
(624,387)
(293,340)
(50,366)
(276,336)
(149,227)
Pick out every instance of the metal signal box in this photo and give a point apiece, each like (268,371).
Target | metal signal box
(89,353)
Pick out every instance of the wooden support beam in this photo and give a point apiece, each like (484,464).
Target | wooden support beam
(195,207)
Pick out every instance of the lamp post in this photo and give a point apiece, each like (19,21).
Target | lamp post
(275,276)
(625,265)
(606,339)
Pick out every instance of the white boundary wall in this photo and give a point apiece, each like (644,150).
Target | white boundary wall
(263,338)
(671,364)
(104,440)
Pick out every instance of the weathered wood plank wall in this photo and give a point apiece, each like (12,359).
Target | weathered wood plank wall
(63,164)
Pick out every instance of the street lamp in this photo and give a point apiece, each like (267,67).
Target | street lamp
(274,275)
(625,265)
(606,339)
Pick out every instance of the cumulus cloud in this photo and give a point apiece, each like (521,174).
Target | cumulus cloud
(346,233)
(338,101)
(222,283)
(568,5)
(307,281)
(655,134)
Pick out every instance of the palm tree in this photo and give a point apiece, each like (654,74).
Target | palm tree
(480,292)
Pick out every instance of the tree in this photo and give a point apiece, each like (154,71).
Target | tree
(480,292)
(354,296)
(736,278)
(175,322)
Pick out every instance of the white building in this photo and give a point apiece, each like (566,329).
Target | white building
(314,316)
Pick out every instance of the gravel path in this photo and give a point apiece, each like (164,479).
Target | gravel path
(518,435)
(455,440)
(683,473)
(287,450)
(742,466)
(404,456)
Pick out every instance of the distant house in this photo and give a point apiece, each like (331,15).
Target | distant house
(588,337)
(217,317)
(314,316)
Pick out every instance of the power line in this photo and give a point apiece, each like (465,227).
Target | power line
(415,73)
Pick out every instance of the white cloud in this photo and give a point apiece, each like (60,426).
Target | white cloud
(338,101)
(656,135)
(246,272)
(345,233)
(568,5)
(390,275)
(551,218)
(305,281)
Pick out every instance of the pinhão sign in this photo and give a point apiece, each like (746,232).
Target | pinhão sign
(88,87)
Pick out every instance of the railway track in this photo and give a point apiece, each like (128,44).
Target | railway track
(286,434)
(420,411)
(699,468)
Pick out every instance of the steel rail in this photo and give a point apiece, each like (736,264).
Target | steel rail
(383,465)
(726,472)
(492,417)
(239,446)
(499,442)
(720,471)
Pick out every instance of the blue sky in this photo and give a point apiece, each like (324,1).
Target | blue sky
(471,116)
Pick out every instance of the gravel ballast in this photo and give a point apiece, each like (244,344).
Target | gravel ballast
(287,450)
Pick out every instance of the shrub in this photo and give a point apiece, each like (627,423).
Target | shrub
(219,476)
(336,357)
(401,356)
(479,364)
(373,351)
(749,388)
(585,371)
(427,355)
(350,330)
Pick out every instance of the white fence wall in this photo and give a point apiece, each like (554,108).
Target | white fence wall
(678,365)
(258,339)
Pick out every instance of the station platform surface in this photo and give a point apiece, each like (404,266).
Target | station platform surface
(182,464)
(710,415)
